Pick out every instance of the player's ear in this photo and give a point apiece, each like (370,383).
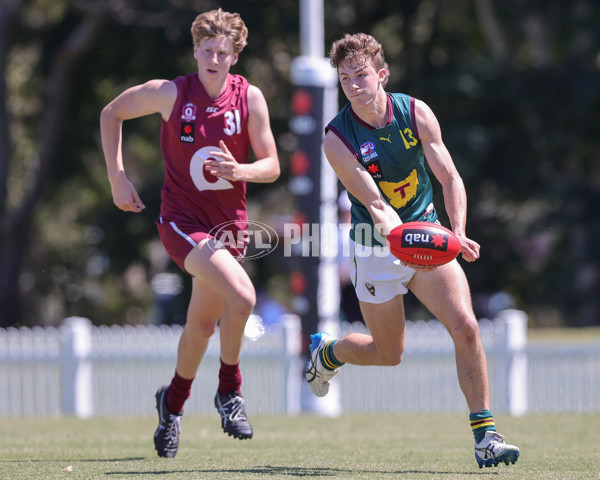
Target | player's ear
(235,58)
(382,73)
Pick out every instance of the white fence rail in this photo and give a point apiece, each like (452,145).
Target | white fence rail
(82,370)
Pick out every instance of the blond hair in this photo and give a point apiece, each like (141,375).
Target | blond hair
(359,49)
(218,23)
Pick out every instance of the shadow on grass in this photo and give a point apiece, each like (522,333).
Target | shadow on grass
(269,470)
(94,460)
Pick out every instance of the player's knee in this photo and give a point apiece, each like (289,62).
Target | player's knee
(243,303)
(392,361)
(466,331)
(391,358)
(200,330)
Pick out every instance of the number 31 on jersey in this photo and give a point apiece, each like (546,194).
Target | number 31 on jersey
(233,122)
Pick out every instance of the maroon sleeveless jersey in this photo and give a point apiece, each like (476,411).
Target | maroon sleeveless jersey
(191,197)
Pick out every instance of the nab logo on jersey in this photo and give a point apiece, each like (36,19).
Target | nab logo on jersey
(187,132)
(374,169)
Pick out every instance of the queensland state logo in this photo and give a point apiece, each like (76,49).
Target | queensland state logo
(188,112)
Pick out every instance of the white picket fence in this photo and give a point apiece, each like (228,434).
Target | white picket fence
(82,370)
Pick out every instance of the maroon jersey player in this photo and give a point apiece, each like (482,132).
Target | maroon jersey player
(210,120)
(194,200)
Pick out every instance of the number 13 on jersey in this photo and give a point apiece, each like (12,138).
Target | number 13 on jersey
(408,138)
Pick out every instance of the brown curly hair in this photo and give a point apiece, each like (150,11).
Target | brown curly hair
(360,49)
(218,23)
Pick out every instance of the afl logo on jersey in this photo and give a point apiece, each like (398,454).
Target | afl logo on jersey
(188,113)
(367,151)
(367,148)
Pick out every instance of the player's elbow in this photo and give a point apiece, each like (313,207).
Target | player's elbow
(108,116)
(274,172)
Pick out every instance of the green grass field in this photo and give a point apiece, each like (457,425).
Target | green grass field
(370,447)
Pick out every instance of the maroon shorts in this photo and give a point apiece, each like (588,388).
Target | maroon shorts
(179,240)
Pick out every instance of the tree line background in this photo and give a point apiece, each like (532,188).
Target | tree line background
(515,86)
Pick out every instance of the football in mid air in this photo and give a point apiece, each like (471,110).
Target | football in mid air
(423,243)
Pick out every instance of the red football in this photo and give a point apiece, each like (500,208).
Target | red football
(423,243)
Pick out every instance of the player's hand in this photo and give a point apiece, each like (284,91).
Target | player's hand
(124,194)
(225,165)
(469,249)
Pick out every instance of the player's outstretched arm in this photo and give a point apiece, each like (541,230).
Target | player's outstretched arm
(444,170)
(155,96)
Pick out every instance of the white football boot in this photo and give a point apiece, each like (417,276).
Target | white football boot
(316,374)
(492,450)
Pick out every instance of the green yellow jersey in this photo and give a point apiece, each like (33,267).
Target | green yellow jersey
(393,155)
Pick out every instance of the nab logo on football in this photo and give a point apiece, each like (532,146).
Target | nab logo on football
(423,243)
(418,238)
(259,238)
